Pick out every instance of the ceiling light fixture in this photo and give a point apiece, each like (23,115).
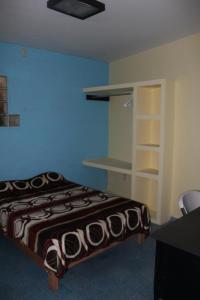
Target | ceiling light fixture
(81,9)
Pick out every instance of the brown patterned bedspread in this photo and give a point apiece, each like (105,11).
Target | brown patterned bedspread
(62,221)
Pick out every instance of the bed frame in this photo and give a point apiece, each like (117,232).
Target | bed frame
(53,280)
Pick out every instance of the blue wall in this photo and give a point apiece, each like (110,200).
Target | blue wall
(59,128)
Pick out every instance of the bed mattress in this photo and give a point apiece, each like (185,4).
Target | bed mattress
(62,221)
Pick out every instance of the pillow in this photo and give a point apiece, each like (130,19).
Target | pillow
(40,182)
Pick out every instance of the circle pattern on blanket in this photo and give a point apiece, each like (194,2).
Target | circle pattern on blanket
(80,203)
(60,208)
(39,200)
(39,215)
(37,182)
(115,224)
(71,244)
(21,185)
(53,176)
(99,198)
(58,197)
(19,227)
(132,218)
(4,186)
(4,218)
(50,257)
(95,233)
(19,206)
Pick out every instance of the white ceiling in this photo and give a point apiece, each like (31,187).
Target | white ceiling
(126,27)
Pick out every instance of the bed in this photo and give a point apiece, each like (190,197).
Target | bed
(60,223)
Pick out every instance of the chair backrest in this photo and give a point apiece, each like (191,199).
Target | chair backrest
(188,201)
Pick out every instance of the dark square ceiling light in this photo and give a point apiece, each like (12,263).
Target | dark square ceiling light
(81,9)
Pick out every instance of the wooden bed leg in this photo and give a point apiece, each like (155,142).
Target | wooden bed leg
(140,238)
(53,281)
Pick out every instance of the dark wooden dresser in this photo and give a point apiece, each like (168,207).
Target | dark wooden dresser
(177,263)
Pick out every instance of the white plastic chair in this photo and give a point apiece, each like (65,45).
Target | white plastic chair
(188,201)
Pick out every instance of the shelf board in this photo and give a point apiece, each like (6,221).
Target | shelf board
(110,90)
(147,117)
(148,147)
(149,173)
(123,87)
(110,164)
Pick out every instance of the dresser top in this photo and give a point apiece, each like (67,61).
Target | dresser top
(183,233)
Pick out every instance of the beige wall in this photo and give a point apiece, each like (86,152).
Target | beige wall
(179,61)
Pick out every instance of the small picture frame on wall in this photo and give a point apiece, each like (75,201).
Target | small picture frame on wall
(14,120)
(3,107)
(4,120)
(3,94)
(3,82)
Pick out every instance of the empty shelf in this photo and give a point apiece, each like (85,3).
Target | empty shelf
(148,117)
(151,173)
(149,145)
(110,90)
(110,164)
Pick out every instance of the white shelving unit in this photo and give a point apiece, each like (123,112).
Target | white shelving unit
(147,130)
